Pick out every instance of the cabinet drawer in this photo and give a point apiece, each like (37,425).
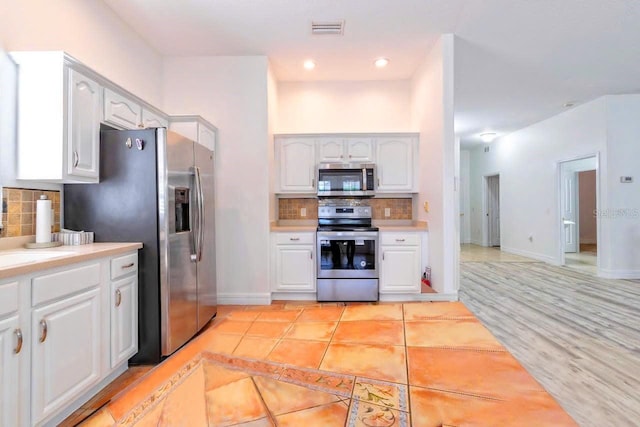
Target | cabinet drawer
(295,238)
(124,265)
(56,285)
(8,298)
(404,239)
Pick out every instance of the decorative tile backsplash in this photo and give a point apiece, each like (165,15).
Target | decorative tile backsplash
(399,208)
(19,211)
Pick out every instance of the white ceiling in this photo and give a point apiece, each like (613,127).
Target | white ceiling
(516,61)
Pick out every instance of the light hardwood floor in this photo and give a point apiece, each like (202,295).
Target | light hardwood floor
(577,334)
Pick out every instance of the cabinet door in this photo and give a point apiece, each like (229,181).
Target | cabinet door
(295,268)
(121,112)
(152,120)
(66,347)
(83,126)
(10,385)
(297,165)
(124,319)
(359,150)
(331,150)
(206,137)
(400,269)
(395,162)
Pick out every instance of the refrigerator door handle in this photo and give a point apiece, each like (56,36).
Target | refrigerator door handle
(201,220)
(195,231)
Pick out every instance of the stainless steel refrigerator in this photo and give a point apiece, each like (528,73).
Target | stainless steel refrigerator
(156,187)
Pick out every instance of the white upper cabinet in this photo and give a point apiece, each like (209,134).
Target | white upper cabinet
(153,120)
(83,137)
(345,150)
(196,129)
(121,112)
(396,158)
(59,114)
(296,160)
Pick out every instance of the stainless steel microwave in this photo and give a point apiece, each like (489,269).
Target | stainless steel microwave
(350,179)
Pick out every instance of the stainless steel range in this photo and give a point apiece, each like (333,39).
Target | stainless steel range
(347,251)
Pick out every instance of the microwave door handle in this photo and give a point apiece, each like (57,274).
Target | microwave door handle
(364,179)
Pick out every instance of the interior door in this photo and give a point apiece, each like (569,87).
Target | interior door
(493,209)
(179,304)
(206,269)
(569,208)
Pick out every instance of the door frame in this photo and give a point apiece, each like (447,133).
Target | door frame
(485,207)
(559,229)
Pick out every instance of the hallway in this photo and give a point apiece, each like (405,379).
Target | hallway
(576,334)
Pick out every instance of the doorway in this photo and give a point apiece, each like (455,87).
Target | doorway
(492,184)
(578,219)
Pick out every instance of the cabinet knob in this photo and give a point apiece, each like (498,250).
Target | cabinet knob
(18,334)
(43,335)
(118,297)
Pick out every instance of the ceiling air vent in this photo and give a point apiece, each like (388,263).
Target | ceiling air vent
(323,28)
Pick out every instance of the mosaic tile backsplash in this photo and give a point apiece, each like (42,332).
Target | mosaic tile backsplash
(290,208)
(19,211)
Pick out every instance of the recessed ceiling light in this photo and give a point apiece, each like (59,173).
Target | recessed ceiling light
(381,62)
(488,136)
(309,64)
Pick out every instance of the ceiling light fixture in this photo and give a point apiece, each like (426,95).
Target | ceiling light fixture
(488,136)
(309,64)
(381,62)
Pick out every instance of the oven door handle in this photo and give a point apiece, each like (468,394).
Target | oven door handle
(366,235)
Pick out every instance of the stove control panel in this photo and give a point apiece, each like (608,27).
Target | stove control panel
(344,212)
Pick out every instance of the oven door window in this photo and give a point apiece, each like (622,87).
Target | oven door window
(347,254)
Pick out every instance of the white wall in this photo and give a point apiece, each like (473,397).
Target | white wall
(465,215)
(348,106)
(527,163)
(232,93)
(432,114)
(620,215)
(272,121)
(89,31)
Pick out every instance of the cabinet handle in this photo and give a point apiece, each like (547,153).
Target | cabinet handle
(341,156)
(349,155)
(18,334)
(76,158)
(399,240)
(141,125)
(128,265)
(313,183)
(294,239)
(378,182)
(383,256)
(118,297)
(311,255)
(43,325)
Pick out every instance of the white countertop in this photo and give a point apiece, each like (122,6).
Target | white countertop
(20,261)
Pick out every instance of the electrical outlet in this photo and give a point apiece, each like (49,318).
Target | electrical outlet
(426,206)
(387,211)
(303,212)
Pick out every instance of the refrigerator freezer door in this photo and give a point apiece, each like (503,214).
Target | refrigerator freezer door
(207,297)
(178,302)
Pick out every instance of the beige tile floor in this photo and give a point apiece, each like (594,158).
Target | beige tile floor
(420,364)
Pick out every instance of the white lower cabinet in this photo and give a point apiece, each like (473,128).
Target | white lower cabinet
(60,341)
(294,261)
(66,346)
(400,262)
(124,319)
(10,357)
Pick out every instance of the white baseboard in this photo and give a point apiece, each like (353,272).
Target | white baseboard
(418,297)
(476,242)
(534,255)
(244,298)
(293,296)
(588,241)
(619,274)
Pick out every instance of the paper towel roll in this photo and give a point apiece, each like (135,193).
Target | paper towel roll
(43,220)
